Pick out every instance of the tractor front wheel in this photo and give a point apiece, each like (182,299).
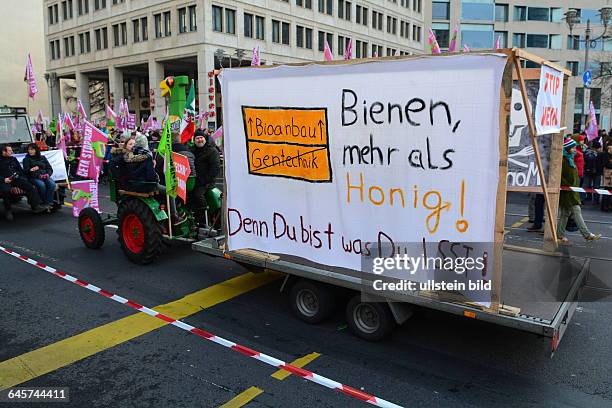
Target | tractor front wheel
(91,228)
(140,236)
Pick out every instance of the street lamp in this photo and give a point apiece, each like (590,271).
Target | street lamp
(572,19)
(220,54)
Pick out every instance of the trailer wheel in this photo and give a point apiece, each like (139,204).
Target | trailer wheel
(311,302)
(91,228)
(371,321)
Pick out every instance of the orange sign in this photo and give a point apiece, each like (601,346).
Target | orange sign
(288,142)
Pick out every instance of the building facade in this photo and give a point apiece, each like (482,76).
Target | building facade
(541,28)
(130,46)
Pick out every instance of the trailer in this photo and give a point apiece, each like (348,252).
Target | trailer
(533,289)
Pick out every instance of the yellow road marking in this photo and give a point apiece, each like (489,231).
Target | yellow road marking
(64,352)
(243,398)
(300,362)
(68,204)
(520,222)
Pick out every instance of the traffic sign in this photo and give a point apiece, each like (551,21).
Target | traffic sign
(587,78)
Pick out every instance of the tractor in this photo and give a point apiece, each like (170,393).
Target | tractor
(142,220)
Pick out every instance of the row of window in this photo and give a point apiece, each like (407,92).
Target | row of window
(224,21)
(68,8)
(487,11)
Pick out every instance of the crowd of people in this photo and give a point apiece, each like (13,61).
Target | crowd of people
(586,164)
(131,154)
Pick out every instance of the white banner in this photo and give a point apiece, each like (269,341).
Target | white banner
(548,107)
(322,159)
(56,160)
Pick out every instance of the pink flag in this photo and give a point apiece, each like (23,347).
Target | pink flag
(397,53)
(327,52)
(217,137)
(30,78)
(375,54)
(432,43)
(255,62)
(39,117)
(453,42)
(466,48)
(498,42)
(84,194)
(61,144)
(81,109)
(92,151)
(110,113)
(68,121)
(148,124)
(591,128)
(348,52)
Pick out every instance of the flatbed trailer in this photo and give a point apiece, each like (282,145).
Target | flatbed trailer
(535,275)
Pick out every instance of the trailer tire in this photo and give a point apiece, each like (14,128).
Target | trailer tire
(371,321)
(311,302)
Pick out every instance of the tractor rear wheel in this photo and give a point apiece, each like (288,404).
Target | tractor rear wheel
(140,235)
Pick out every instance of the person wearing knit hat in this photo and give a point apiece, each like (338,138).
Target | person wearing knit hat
(569,201)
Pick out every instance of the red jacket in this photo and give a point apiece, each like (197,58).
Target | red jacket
(579,161)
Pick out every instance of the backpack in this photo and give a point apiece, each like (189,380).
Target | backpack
(590,162)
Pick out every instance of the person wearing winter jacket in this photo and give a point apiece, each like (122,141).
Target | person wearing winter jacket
(39,171)
(569,201)
(12,175)
(207,164)
(593,169)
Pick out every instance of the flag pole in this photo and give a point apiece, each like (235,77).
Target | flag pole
(169,214)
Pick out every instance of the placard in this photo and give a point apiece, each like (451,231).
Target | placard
(550,96)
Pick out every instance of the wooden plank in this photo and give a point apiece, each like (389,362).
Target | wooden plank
(255,254)
(136,194)
(529,74)
(528,250)
(555,161)
(532,189)
(534,143)
(505,97)
(521,53)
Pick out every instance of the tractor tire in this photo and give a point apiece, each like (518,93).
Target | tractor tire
(91,228)
(140,235)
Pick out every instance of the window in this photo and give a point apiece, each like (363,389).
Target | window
(344,10)
(501,12)
(67,9)
(115,2)
(555,41)
(101,38)
(54,49)
(573,42)
(390,52)
(326,6)
(84,42)
(361,49)
(405,29)
(556,15)
(309,38)
(230,21)
(248,25)
(116,34)
(416,33)
(276,31)
(71,44)
(193,25)
(537,40)
(120,34)
(158,25)
(416,5)
(123,33)
(144,33)
(361,15)
(182,16)
(440,10)
(572,66)
(341,45)
(518,40)
(217,18)
(442,32)
(299,36)
(260,28)
(325,36)
(377,50)
(483,10)
(99,4)
(391,25)
(83,7)
(377,20)
(285,33)
(136,30)
(503,38)
(538,14)
(167,24)
(477,35)
(520,13)
(304,3)
(53,12)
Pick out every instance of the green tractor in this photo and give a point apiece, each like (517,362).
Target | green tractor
(142,221)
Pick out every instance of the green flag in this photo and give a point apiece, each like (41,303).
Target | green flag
(165,149)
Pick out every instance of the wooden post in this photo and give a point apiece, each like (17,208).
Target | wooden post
(554,173)
(505,96)
(534,142)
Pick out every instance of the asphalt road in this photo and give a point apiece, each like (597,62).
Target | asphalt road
(108,358)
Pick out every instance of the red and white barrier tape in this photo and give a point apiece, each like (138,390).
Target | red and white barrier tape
(279,364)
(600,191)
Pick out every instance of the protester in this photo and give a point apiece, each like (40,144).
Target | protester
(593,168)
(139,161)
(39,171)
(12,175)
(569,201)
(207,165)
(606,163)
